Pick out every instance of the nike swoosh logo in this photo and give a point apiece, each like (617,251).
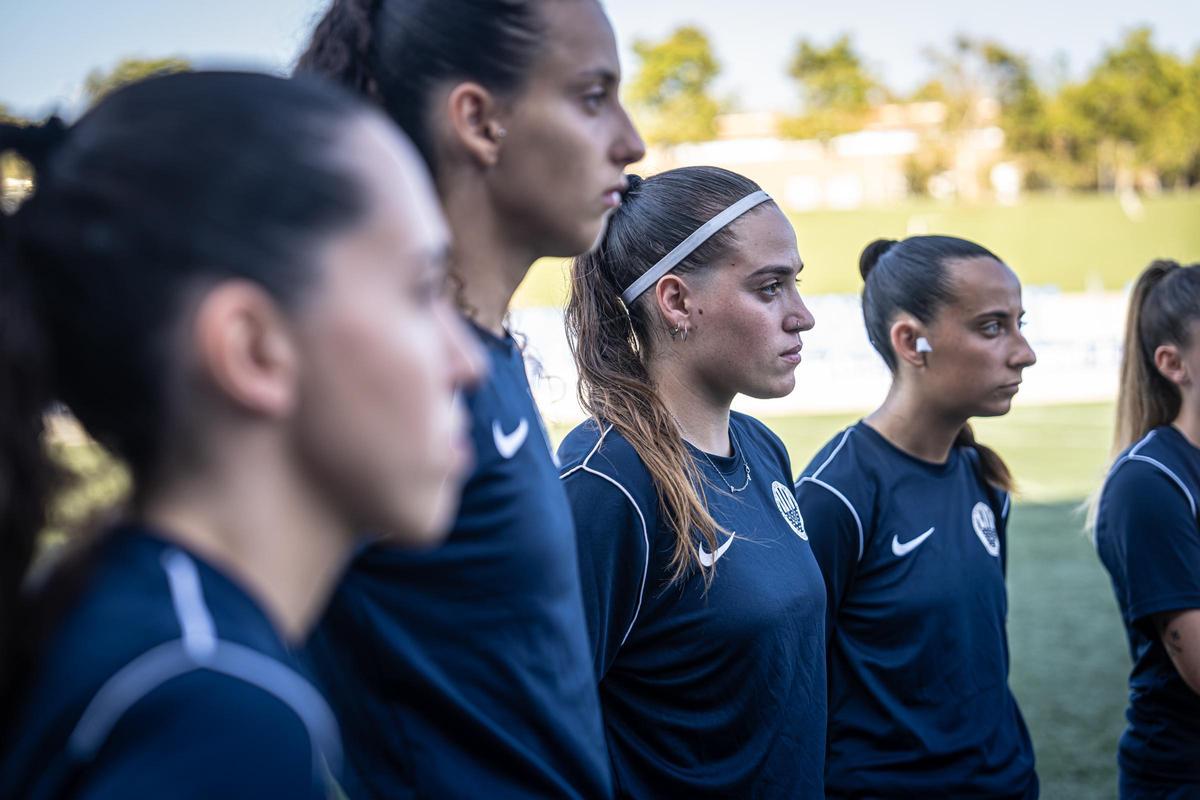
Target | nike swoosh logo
(707,559)
(903,549)
(507,444)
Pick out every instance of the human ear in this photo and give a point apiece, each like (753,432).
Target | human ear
(245,347)
(910,341)
(673,297)
(1169,361)
(473,115)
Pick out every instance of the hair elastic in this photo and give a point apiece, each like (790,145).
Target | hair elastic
(685,248)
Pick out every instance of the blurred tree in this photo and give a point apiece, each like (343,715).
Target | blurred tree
(129,70)
(671,94)
(836,89)
(1135,117)
(977,77)
(10,165)
(981,82)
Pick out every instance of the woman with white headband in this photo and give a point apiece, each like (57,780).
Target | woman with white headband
(908,516)
(705,605)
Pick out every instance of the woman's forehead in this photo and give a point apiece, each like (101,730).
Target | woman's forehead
(982,283)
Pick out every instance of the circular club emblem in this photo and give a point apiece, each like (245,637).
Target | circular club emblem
(786,502)
(984,522)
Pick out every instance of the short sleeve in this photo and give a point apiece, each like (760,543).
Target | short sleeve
(613,534)
(836,538)
(1152,529)
(203,735)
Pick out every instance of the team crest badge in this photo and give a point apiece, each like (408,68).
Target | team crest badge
(984,522)
(785,501)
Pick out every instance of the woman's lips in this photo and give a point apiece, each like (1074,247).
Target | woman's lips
(613,194)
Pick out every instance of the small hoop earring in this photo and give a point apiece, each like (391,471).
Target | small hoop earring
(684,334)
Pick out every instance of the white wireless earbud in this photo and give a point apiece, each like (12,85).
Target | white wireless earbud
(923,345)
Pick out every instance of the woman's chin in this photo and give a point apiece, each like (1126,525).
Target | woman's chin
(772,390)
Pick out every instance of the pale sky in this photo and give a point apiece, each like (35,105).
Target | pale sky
(49,46)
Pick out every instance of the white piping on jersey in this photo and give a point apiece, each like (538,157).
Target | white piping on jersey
(814,478)
(1134,455)
(199,632)
(837,449)
(842,497)
(1004,509)
(200,648)
(583,466)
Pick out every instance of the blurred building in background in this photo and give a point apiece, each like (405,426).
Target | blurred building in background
(904,149)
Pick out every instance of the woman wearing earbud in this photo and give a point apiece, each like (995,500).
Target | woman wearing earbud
(704,603)
(907,514)
(1148,537)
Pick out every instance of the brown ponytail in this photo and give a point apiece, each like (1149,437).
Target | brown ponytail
(614,387)
(1162,305)
(612,344)
(1164,302)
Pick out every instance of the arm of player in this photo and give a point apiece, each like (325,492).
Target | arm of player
(204,735)
(833,532)
(1158,538)
(1180,632)
(613,534)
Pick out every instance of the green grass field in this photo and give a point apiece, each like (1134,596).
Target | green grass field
(1069,658)
(1073,242)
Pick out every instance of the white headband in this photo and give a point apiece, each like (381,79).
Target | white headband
(684,248)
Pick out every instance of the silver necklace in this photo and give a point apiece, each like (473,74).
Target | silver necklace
(745,464)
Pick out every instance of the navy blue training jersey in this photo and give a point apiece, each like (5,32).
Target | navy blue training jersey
(464,671)
(166,680)
(913,555)
(1149,541)
(717,693)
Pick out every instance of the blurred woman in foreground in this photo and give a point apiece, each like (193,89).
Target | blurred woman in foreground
(235,283)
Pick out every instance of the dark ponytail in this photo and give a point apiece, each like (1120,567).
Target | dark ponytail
(612,344)
(399,52)
(912,276)
(27,475)
(163,187)
(1162,307)
(995,471)
(871,255)
(341,46)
